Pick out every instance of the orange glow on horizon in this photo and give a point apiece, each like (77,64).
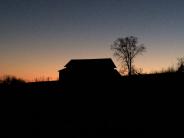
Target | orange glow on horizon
(53,74)
(46,65)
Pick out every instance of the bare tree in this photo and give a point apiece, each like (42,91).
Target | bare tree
(126,49)
(180,64)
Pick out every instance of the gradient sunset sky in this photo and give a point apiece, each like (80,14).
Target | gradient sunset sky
(38,37)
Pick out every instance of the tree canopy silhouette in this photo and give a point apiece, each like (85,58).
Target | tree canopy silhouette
(11,81)
(126,49)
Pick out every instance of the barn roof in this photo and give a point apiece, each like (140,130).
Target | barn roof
(101,62)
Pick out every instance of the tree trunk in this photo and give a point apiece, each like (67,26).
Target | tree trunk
(130,68)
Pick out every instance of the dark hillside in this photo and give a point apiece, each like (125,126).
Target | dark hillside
(136,105)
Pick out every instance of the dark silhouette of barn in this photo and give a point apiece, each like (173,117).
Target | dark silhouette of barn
(89,69)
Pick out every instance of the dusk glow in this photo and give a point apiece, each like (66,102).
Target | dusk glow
(38,37)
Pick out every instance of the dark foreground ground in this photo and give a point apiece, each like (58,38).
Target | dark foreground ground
(131,106)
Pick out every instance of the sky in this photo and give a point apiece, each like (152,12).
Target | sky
(38,37)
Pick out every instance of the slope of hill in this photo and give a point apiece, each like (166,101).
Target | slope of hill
(137,105)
